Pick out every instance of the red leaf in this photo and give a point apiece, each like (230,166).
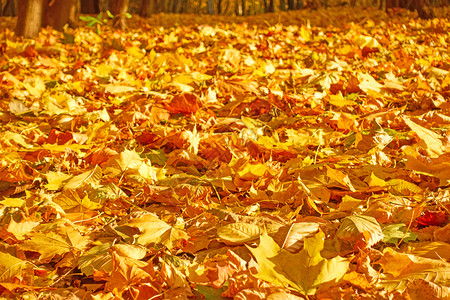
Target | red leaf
(30,51)
(62,138)
(366,51)
(147,138)
(185,103)
(433,218)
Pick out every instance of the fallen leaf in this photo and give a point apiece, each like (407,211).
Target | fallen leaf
(150,229)
(238,233)
(362,231)
(303,271)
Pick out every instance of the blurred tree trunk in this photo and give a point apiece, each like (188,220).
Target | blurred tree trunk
(56,13)
(271,6)
(73,14)
(419,6)
(211,7)
(291,5)
(8,8)
(180,6)
(165,5)
(219,7)
(227,8)
(29,17)
(186,6)
(34,14)
(413,5)
(119,8)
(391,4)
(104,5)
(252,8)
(244,7)
(148,8)
(89,7)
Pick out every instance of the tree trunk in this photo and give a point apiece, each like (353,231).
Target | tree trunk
(252,9)
(177,6)
(291,4)
(271,6)
(8,8)
(29,18)
(219,7)
(210,7)
(419,6)
(147,8)
(90,7)
(185,7)
(56,13)
(227,8)
(413,5)
(119,9)
(150,7)
(73,13)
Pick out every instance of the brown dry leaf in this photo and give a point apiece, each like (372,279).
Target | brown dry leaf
(420,289)
(442,234)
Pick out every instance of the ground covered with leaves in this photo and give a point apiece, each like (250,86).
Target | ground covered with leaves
(272,159)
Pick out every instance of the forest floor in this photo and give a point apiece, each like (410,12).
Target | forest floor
(300,155)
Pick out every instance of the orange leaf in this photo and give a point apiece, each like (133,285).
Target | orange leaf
(185,103)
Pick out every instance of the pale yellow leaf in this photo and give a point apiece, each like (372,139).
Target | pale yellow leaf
(89,177)
(431,139)
(12,267)
(360,228)
(55,180)
(153,230)
(239,233)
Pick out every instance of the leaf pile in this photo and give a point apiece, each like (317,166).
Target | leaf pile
(228,160)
